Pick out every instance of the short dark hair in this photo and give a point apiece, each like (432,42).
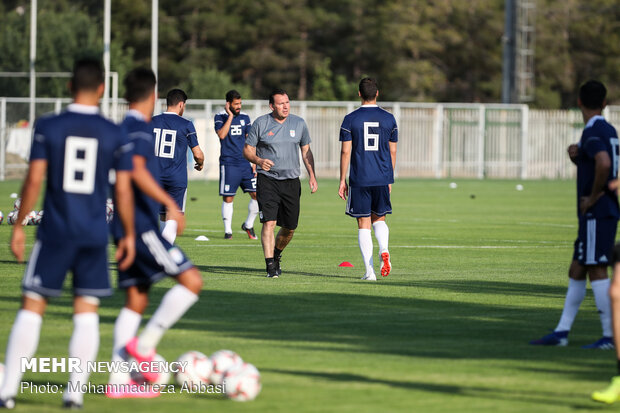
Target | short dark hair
(368,88)
(232,95)
(87,75)
(592,94)
(175,96)
(139,84)
(276,92)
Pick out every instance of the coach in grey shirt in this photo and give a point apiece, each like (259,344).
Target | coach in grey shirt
(273,145)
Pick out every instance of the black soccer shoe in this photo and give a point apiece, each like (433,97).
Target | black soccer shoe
(277,261)
(249,231)
(227,236)
(272,270)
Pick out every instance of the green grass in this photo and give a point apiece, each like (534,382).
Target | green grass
(478,272)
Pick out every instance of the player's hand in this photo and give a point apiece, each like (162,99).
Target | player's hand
(587,202)
(198,166)
(227,109)
(125,252)
(18,242)
(176,215)
(573,151)
(266,164)
(390,188)
(343,190)
(613,185)
(314,185)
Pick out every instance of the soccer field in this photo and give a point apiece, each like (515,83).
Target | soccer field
(478,272)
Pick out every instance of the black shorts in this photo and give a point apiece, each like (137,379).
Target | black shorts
(278,200)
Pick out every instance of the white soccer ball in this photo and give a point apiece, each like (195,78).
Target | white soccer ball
(197,369)
(1,217)
(223,360)
(109,210)
(11,217)
(453,185)
(242,383)
(38,218)
(162,379)
(31,218)
(519,187)
(17,204)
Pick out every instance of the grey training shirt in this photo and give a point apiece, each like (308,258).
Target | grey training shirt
(279,142)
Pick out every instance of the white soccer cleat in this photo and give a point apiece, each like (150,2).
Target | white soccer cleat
(371,277)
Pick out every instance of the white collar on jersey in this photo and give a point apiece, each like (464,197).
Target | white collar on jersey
(369,106)
(136,114)
(171,113)
(85,109)
(592,120)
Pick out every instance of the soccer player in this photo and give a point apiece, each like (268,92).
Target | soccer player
(369,136)
(596,157)
(155,256)
(273,145)
(232,127)
(75,151)
(173,135)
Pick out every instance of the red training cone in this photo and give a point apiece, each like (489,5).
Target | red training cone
(345,264)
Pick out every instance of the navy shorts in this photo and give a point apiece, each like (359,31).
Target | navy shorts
(234,176)
(366,200)
(178,193)
(278,200)
(155,259)
(595,240)
(49,263)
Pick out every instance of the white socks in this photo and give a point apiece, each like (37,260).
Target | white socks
(23,342)
(382,233)
(84,345)
(172,307)
(574,296)
(365,241)
(600,288)
(170,231)
(252,213)
(227,213)
(125,328)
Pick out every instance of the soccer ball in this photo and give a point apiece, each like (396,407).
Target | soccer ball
(17,204)
(242,383)
(197,369)
(1,217)
(31,218)
(11,217)
(162,379)
(38,218)
(109,210)
(223,361)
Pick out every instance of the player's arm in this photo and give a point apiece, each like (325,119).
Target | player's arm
(29,195)
(123,195)
(308,158)
(345,159)
(602,165)
(222,133)
(147,184)
(199,158)
(393,156)
(249,153)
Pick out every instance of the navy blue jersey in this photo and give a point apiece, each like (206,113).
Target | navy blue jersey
(146,208)
(80,147)
(597,136)
(173,134)
(371,129)
(231,151)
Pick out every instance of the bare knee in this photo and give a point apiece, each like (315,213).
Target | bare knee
(191,280)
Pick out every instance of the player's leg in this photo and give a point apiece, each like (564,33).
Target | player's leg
(43,278)
(364,240)
(599,281)
(288,217)
(229,182)
(611,394)
(179,194)
(268,195)
(248,184)
(380,207)
(90,282)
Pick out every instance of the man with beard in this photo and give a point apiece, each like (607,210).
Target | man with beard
(232,127)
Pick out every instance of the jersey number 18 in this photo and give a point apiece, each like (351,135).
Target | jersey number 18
(165,140)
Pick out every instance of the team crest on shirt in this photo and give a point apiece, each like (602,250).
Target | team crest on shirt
(242,122)
(292,133)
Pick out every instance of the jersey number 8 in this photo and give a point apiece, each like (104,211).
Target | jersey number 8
(80,165)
